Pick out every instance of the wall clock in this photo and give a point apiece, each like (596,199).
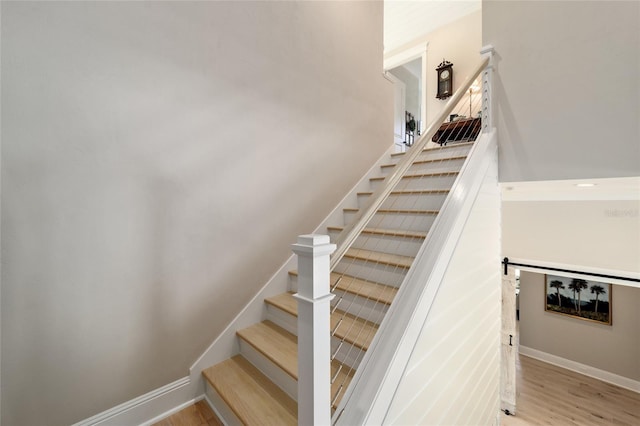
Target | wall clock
(445,80)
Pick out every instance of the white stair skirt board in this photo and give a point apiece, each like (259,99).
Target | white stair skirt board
(587,370)
(154,405)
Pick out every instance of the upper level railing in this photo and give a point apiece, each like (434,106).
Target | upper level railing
(355,337)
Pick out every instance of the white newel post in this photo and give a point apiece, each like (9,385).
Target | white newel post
(314,341)
(487,89)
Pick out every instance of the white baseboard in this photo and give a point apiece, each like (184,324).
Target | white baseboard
(172,411)
(152,405)
(587,370)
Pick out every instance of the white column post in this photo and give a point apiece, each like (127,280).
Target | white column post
(314,340)
(487,90)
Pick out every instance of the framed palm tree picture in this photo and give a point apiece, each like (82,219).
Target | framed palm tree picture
(579,298)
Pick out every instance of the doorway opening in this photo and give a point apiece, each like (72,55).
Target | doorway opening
(407,70)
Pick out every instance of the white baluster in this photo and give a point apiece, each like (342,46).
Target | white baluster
(487,89)
(314,341)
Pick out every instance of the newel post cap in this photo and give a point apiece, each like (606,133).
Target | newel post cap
(313,245)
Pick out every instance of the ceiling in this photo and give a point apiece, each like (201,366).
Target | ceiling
(405,21)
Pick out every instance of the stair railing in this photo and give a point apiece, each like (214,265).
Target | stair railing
(379,367)
(355,334)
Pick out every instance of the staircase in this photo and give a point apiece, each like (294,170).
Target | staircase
(259,385)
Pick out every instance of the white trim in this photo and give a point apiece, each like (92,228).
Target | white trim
(130,411)
(587,370)
(172,411)
(405,56)
(588,270)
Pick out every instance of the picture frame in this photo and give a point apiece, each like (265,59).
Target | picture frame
(578,298)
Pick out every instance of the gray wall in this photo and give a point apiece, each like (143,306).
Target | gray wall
(158,158)
(567,87)
(614,348)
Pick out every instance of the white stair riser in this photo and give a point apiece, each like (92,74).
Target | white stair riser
(398,221)
(223,411)
(353,304)
(333,234)
(269,369)
(431,167)
(383,274)
(408,201)
(282,319)
(427,182)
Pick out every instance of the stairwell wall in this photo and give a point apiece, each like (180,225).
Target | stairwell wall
(158,158)
(567,85)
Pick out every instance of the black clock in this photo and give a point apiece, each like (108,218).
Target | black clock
(445,80)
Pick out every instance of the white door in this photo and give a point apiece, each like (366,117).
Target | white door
(399,101)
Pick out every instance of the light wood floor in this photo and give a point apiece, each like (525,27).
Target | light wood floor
(550,395)
(198,414)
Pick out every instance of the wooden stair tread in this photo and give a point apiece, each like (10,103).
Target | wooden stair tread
(411,192)
(379,257)
(252,397)
(352,329)
(387,232)
(394,211)
(275,343)
(435,160)
(419,175)
(367,289)
(437,148)
(370,290)
(281,347)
